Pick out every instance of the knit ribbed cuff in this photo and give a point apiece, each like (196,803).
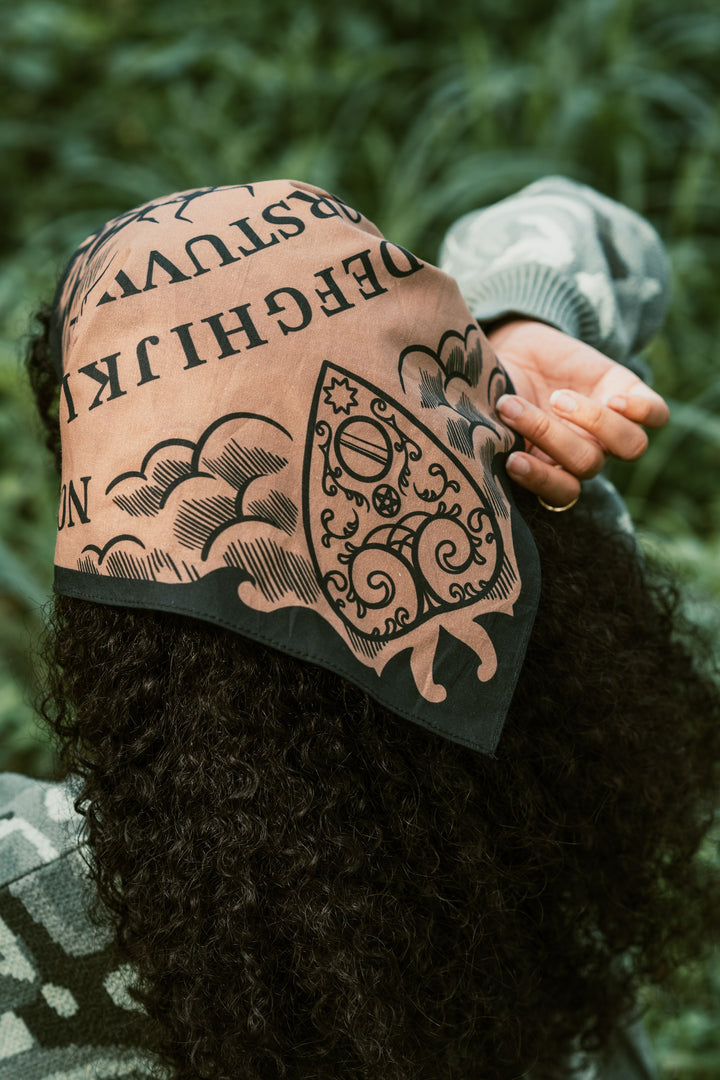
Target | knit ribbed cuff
(540,292)
(534,291)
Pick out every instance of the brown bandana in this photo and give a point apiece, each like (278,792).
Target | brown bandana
(276,420)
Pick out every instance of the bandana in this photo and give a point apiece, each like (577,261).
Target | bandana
(276,420)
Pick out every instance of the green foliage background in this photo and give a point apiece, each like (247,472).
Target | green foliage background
(415,115)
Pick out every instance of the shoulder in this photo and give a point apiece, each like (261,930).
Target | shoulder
(64,1004)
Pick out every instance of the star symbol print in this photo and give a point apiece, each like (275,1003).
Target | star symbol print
(340,395)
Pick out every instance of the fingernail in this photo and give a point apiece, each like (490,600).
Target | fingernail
(562,401)
(518,465)
(509,406)
(641,390)
(617,402)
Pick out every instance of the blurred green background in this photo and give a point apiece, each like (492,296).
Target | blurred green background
(415,115)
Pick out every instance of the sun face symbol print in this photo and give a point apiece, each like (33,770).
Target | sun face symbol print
(402,538)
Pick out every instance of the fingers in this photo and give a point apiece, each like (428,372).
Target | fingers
(580,433)
(554,485)
(572,442)
(581,456)
(642,405)
(612,427)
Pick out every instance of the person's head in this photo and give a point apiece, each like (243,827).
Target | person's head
(312,879)
(278,421)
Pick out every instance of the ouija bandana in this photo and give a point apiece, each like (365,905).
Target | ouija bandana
(276,420)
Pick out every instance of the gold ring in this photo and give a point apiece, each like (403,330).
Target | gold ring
(557,509)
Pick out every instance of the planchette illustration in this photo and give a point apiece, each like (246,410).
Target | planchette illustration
(402,539)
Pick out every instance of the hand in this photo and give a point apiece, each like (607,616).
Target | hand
(574,406)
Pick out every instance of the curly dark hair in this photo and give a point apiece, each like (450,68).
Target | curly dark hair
(310,887)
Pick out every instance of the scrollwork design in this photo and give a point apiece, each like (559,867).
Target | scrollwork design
(442,510)
(348,529)
(427,495)
(403,445)
(382,588)
(380,582)
(340,582)
(475,520)
(398,622)
(446,549)
(462,592)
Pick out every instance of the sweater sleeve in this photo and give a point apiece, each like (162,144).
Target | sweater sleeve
(65,1006)
(560,252)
